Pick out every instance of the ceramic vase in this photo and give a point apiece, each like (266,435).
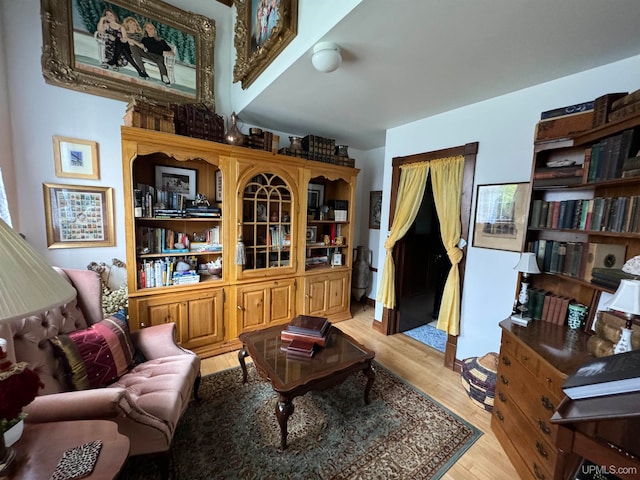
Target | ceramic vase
(361,276)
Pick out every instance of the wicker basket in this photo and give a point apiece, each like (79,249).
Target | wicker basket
(479,379)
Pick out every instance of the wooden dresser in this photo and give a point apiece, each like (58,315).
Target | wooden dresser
(534,362)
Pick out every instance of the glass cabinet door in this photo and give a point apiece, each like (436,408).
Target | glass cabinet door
(266,223)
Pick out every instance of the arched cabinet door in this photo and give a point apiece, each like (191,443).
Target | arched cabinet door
(267,231)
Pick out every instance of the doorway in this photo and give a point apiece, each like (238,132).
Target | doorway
(421,285)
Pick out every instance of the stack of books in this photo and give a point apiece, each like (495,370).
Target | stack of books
(305,333)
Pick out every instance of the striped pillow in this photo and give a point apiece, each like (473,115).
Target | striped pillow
(98,355)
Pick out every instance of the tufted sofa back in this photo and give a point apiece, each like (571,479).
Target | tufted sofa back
(28,338)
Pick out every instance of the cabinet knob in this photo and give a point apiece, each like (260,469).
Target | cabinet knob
(506,361)
(499,415)
(307,295)
(541,450)
(143,325)
(504,379)
(543,427)
(240,307)
(502,397)
(537,471)
(546,403)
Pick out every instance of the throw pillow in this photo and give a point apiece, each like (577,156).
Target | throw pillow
(98,355)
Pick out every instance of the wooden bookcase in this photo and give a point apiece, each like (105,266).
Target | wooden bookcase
(577,201)
(263,200)
(535,360)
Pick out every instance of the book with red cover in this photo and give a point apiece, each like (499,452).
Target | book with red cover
(289,336)
(309,325)
(301,347)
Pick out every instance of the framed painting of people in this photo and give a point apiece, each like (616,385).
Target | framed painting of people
(78,216)
(129,49)
(263,29)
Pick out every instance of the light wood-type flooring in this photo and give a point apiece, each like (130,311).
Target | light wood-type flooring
(422,367)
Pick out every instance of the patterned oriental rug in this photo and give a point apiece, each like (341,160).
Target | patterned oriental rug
(232,433)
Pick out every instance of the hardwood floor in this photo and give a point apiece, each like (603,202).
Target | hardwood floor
(422,367)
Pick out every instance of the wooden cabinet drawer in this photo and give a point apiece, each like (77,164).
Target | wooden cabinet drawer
(528,358)
(552,379)
(536,451)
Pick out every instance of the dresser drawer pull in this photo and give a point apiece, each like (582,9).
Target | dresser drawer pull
(541,450)
(543,427)
(504,379)
(546,403)
(537,471)
(502,397)
(499,415)
(506,361)
(524,358)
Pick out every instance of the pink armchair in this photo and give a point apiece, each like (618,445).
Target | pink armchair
(146,402)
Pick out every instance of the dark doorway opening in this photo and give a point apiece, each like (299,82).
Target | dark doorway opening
(426,268)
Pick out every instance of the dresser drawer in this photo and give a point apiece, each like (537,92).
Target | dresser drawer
(537,452)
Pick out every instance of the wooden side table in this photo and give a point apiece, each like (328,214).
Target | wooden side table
(42,446)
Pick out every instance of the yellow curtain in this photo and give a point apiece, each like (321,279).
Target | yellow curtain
(446,178)
(413,180)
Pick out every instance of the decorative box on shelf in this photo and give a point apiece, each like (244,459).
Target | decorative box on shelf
(198,121)
(149,116)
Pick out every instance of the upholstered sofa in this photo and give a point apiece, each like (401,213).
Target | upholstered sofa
(146,400)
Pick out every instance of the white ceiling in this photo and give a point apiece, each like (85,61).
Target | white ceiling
(405,60)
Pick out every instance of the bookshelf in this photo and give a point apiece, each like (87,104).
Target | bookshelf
(584,218)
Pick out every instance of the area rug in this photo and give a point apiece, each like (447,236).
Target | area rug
(232,433)
(429,335)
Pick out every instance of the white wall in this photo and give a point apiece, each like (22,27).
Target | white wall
(36,111)
(504,128)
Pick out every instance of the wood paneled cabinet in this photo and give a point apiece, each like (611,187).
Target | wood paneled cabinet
(327,294)
(199,316)
(265,304)
(254,214)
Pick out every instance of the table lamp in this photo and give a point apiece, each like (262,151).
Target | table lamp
(626,300)
(526,266)
(28,285)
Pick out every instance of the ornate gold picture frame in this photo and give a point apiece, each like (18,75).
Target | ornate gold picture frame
(76,158)
(78,47)
(263,29)
(78,216)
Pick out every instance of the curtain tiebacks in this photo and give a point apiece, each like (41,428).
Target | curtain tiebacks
(455,255)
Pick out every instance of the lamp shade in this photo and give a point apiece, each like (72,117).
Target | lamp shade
(326,57)
(527,263)
(627,297)
(28,284)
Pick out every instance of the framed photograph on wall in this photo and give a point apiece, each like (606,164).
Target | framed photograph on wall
(375,209)
(75,158)
(501,216)
(263,29)
(78,216)
(177,180)
(79,40)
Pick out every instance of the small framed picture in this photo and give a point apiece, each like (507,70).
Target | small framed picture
(336,260)
(375,209)
(75,158)
(312,233)
(78,216)
(177,180)
(315,196)
(218,186)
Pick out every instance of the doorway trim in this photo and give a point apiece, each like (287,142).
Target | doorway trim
(389,323)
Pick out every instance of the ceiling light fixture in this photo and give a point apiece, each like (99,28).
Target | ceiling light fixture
(326,57)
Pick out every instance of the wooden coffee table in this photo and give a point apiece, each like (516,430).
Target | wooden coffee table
(292,377)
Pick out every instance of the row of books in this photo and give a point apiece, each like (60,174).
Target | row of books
(576,259)
(162,273)
(161,240)
(303,335)
(605,159)
(609,277)
(549,307)
(605,214)
(607,328)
